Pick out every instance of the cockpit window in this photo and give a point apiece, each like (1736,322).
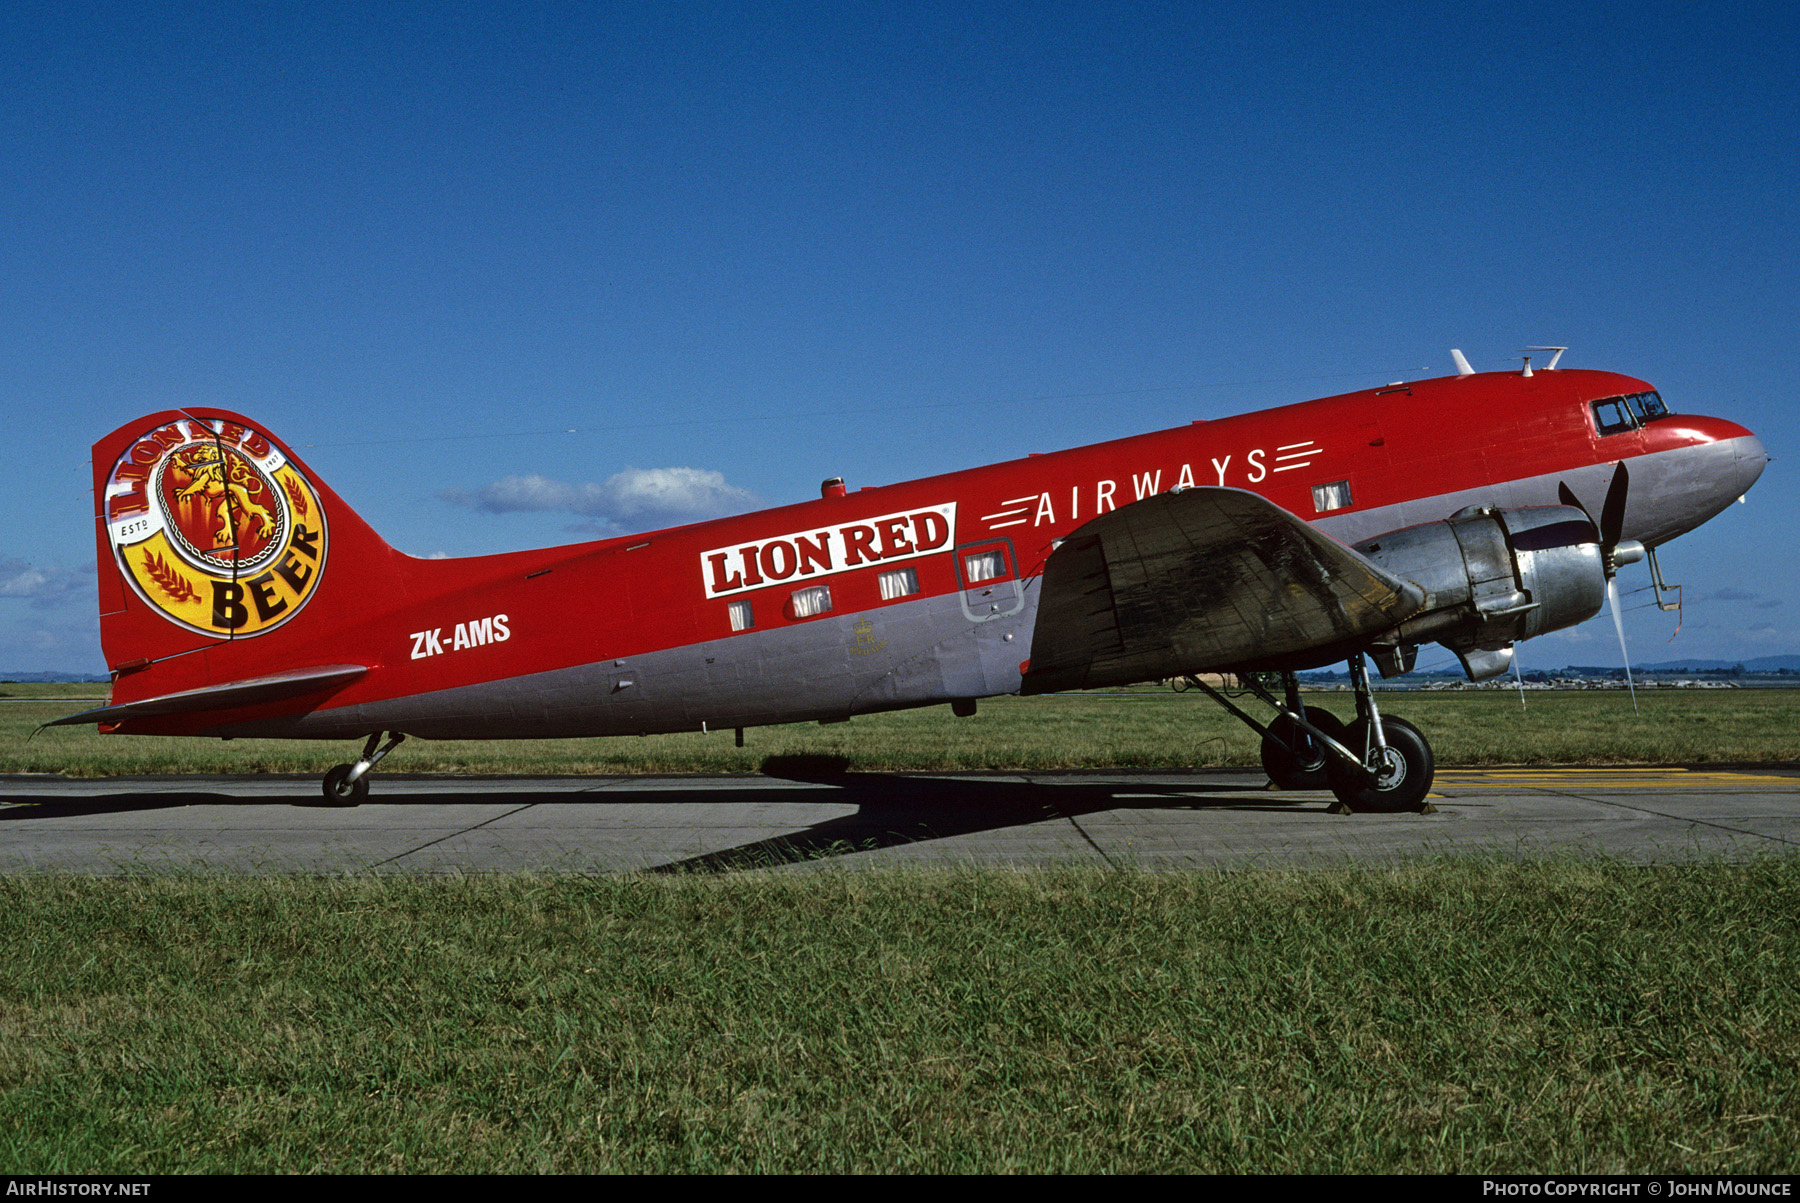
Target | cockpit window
(1613,416)
(1617,414)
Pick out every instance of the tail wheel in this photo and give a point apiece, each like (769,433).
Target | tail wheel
(341,791)
(1402,774)
(1293,757)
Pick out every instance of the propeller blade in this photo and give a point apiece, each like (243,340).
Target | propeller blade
(1612,514)
(1610,527)
(1612,598)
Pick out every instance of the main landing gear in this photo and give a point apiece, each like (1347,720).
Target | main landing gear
(1375,763)
(348,784)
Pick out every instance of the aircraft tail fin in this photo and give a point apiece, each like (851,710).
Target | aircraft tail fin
(223,559)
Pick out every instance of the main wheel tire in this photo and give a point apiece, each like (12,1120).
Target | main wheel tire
(1292,757)
(341,791)
(1401,782)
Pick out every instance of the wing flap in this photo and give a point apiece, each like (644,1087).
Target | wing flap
(1204,580)
(228,695)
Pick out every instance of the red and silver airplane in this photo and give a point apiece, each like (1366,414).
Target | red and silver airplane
(240,596)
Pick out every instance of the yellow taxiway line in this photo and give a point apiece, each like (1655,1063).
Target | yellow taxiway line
(1483,780)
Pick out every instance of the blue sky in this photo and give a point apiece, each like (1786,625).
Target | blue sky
(513,275)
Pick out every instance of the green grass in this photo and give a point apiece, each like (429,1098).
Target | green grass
(1469,1017)
(1149,727)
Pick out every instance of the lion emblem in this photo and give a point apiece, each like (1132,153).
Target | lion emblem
(221,500)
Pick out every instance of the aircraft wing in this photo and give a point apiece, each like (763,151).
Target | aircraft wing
(1203,580)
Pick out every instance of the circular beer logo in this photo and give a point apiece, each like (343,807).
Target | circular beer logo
(214,528)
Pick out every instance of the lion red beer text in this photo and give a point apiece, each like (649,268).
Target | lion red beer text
(807,554)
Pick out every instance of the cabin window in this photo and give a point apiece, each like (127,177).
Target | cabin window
(983,566)
(1334,496)
(901,582)
(742,616)
(813,601)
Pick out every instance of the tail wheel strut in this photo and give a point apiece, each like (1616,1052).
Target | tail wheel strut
(348,784)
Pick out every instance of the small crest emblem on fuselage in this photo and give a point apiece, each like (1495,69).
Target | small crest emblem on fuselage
(215,528)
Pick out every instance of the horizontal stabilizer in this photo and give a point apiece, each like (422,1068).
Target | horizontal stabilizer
(1207,579)
(250,692)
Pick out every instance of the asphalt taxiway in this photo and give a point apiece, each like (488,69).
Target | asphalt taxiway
(1169,820)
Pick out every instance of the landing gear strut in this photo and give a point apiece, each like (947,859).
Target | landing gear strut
(1373,764)
(1396,765)
(348,784)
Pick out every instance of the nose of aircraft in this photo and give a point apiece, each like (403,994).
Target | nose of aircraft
(1735,457)
(1748,457)
(1750,460)
(1707,464)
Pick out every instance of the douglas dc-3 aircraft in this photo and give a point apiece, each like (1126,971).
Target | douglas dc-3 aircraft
(239,596)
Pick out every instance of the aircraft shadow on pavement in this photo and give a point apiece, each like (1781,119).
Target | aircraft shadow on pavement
(24,807)
(895,810)
(892,810)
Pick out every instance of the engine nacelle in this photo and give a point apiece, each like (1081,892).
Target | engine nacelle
(1492,577)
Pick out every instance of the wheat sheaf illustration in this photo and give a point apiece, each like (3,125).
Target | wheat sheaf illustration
(295,494)
(167,579)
